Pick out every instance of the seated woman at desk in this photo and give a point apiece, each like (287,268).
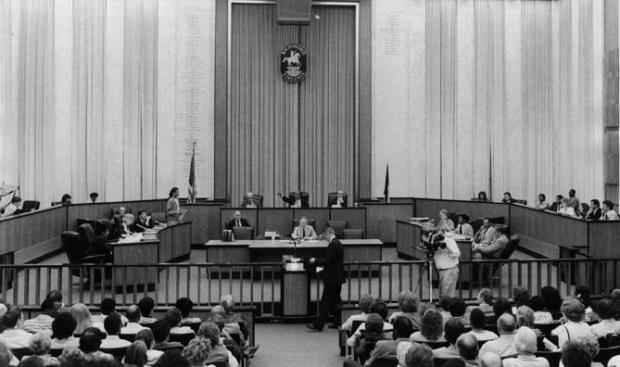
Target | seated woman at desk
(127,225)
(463,227)
(142,223)
(100,246)
(304,231)
(445,224)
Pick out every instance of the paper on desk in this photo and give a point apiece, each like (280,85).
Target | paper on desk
(319,269)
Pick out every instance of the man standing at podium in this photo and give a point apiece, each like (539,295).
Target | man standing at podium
(333,277)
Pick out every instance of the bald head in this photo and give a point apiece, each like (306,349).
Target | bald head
(237,214)
(133,313)
(490,360)
(506,324)
(467,345)
(218,310)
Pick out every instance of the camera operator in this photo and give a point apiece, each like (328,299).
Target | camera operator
(446,260)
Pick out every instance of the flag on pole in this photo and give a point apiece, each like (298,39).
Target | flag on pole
(386,187)
(191,190)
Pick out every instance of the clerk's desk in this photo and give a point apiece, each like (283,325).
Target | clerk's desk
(170,243)
(245,251)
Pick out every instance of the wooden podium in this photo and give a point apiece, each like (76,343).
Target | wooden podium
(295,292)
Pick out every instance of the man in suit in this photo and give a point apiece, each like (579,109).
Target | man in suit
(304,231)
(237,221)
(333,278)
(338,201)
(486,233)
(594,213)
(296,199)
(495,248)
(556,204)
(403,328)
(250,201)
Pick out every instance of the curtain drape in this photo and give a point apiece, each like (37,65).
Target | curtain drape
(286,137)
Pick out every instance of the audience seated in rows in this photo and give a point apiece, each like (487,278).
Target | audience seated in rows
(408,304)
(14,336)
(112,325)
(504,345)
(43,322)
(146,336)
(477,320)
(525,344)
(63,328)
(453,329)
(431,328)
(379,308)
(574,328)
(82,317)
(133,318)
(403,328)
(107,307)
(365,303)
(607,324)
(185,306)
(219,352)
(146,306)
(40,345)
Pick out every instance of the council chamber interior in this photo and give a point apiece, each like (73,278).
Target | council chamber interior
(424,182)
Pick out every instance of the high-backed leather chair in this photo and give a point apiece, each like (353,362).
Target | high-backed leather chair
(331,198)
(353,233)
(30,205)
(338,226)
(243,233)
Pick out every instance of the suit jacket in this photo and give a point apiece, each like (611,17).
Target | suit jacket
(333,272)
(307,232)
(233,223)
(485,235)
(139,224)
(594,215)
(554,206)
(496,247)
(334,200)
(292,198)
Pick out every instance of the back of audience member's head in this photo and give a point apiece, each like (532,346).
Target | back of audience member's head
(576,354)
(40,344)
(112,324)
(582,293)
(457,307)
(211,331)
(90,341)
(444,303)
(197,351)
(218,310)
(49,307)
(552,298)
(467,345)
(72,357)
(161,330)
(172,358)
(401,352)
(108,305)
(486,295)
(521,296)
(365,303)
(490,359)
(146,335)
(11,317)
(228,302)
(431,326)
(173,317)
(31,362)
(217,319)
(374,324)
(525,341)
(403,327)
(82,316)
(185,305)
(525,317)
(506,324)
(136,353)
(537,303)
(501,306)
(452,330)
(133,313)
(55,295)
(146,305)
(419,355)
(5,354)
(605,309)
(573,309)
(380,308)
(477,319)
(408,302)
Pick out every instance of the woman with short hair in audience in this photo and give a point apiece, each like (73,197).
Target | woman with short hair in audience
(431,329)
(575,327)
(526,344)
(82,317)
(608,212)
(541,316)
(463,227)
(197,352)
(553,301)
(40,344)
(136,354)
(408,304)
(152,355)
(542,202)
(482,196)
(525,318)
(477,320)
(608,324)
(364,304)
(63,328)
(445,224)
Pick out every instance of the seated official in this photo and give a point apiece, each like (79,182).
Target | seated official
(127,225)
(100,246)
(463,227)
(304,231)
(173,208)
(237,221)
(142,222)
(13,207)
(338,201)
(495,248)
(608,212)
(296,199)
(250,201)
(66,200)
(486,233)
(445,224)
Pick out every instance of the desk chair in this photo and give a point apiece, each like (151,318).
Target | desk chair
(30,205)
(182,338)
(353,233)
(243,233)
(311,222)
(338,226)
(76,253)
(331,197)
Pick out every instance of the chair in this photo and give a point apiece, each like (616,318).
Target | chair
(87,234)
(520,201)
(338,226)
(332,197)
(30,205)
(75,248)
(605,354)
(437,344)
(56,352)
(389,361)
(20,353)
(182,338)
(118,353)
(438,362)
(491,327)
(243,233)
(194,325)
(353,233)
(128,337)
(547,328)
(311,222)
(552,357)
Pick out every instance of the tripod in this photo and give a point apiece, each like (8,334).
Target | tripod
(428,269)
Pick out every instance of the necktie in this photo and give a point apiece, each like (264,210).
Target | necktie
(460,229)
(303,232)
(238,223)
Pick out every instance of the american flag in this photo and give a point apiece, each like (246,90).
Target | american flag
(191,190)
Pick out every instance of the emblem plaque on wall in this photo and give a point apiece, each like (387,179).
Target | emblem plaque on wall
(293,63)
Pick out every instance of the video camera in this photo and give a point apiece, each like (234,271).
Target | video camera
(432,243)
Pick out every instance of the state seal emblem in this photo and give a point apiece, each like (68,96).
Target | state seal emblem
(293,63)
